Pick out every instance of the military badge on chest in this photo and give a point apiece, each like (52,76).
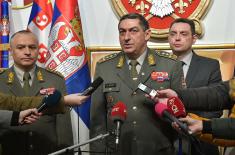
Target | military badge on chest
(160,76)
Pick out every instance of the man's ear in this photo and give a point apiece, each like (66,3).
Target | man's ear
(148,33)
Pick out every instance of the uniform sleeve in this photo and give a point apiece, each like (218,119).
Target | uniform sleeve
(223,128)
(5,118)
(98,115)
(15,103)
(210,98)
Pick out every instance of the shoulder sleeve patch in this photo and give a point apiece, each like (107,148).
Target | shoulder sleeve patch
(108,57)
(55,72)
(166,55)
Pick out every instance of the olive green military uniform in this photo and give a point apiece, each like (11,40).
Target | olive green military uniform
(143,132)
(50,132)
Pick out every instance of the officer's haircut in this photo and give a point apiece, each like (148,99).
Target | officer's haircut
(21,32)
(142,21)
(187,21)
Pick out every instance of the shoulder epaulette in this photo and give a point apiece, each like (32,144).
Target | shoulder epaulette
(108,57)
(55,72)
(166,55)
(2,70)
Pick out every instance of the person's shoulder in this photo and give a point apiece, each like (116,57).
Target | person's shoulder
(207,59)
(4,72)
(51,72)
(166,55)
(108,58)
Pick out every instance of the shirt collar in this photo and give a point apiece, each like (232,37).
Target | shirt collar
(20,73)
(186,58)
(140,59)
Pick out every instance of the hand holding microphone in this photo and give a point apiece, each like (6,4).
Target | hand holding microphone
(162,111)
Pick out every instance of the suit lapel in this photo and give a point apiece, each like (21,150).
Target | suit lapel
(193,69)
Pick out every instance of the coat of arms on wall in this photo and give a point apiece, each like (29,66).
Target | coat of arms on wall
(160,13)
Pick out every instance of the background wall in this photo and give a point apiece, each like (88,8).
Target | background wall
(100,21)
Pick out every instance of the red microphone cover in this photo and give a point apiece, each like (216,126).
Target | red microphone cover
(119,112)
(176,107)
(160,108)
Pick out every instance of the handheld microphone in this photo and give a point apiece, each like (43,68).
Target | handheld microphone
(95,84)
(162,111)
(50,100)
(118,116)
(176,107)
(147,90)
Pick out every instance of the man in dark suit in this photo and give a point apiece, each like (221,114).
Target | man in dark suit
(49,133)
(198,71)
(143,132)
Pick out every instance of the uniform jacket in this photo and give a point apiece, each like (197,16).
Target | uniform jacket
(203,72)
(46,135)
(143,131)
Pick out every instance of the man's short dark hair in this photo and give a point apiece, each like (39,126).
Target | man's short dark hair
(187,21)
(143,22)
(21,32)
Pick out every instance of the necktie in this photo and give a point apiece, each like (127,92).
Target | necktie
(134,73)
(26,86)
(184,85)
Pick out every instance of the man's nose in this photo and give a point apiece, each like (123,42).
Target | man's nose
(27,51)
(127,36)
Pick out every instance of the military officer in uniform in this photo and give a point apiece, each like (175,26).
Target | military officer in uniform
(25,78)
(143,132)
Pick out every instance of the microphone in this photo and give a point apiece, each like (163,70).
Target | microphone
(162,111)
(176,107)
(118,116)
(50,100)
(151,92)
(95,84)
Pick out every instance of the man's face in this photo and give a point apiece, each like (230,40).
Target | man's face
(24,49)
(180,38)
(133,39)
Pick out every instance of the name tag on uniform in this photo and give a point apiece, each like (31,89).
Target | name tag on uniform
(110,85)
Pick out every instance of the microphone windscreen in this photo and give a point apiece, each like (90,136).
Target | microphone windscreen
(50,101)
(176,107)
(160,108)
(119,112)
(97,82)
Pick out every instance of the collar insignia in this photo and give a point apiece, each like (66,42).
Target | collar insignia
(151,60)
(10,77)
(39,76)
(120,62)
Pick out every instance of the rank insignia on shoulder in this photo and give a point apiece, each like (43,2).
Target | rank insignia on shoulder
(55,72)
(2,70)
(166,55)
(108,57)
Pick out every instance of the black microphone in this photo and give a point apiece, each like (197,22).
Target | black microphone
(50,100)
(118,115)
(95,84)
(162,111)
